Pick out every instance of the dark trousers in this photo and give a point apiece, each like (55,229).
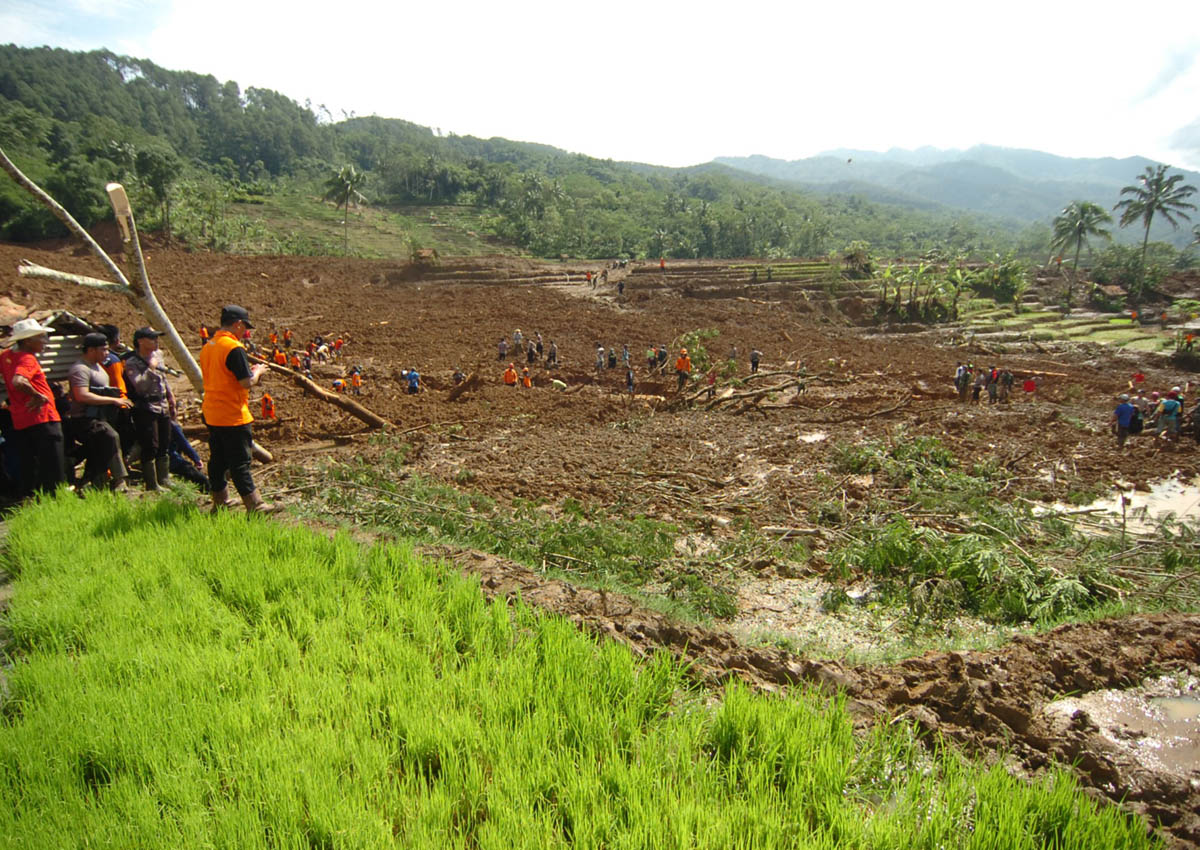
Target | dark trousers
(229,451)
(153,433)
(101,447)
(43,466)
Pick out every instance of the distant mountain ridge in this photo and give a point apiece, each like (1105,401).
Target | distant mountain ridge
(1013,183)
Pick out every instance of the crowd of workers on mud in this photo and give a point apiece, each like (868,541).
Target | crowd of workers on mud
(118,410)
(1162,415)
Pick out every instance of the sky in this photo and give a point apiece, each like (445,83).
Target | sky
(674,83)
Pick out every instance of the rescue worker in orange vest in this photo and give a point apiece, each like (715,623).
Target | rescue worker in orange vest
(683,369)
(337,347)
(203,335)
(295,361)
(273,339)
(356,382)
(268,406)
(526,381)
(287,337)
(662,263)
(510,375)
(228,377)
(339,385)
(279,357)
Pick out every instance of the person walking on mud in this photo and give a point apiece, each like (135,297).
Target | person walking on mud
(683,369)
(552,355)
(629,379)
(1122,419)
(228,377)
(612,357)
(502,349)
(977,387)
(962,382)
(599,357)
(651,358)
(755,356)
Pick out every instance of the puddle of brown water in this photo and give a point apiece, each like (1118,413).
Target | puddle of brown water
(1144,509)
(1157,724)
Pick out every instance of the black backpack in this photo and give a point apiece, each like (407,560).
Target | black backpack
(1135,422)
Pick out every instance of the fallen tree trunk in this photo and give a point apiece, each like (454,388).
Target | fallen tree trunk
(336,399)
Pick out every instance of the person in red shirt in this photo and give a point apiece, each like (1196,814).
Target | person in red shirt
(36,423)
(337,346)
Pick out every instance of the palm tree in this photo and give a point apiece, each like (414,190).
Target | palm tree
(342,189)
(1154,193)
(1078,221)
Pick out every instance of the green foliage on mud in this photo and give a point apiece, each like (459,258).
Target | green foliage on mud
(191,681)
(941,544)
(588,546)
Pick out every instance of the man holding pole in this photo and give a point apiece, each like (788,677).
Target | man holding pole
(228,377)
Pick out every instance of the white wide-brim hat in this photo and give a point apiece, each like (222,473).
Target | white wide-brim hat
(25,329)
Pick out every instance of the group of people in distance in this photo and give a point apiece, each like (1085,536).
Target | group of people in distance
(1137,412)
(119,404)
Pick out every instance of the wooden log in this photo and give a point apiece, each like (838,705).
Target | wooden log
(336,399)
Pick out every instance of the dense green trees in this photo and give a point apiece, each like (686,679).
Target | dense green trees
(187,146)
(1155,193)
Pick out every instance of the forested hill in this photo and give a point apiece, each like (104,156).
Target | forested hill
(185,144)
(1026,185)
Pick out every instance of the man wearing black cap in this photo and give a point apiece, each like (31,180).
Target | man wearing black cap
(153,406)
(228,377)
(93,405)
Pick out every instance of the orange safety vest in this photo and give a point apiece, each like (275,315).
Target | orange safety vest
(287,335)
(116,375)
(280,358)
(295,361)
(204,332)
(226,401)
(337,345)
(510,377)
(274,338)
(526,381)
(683,364)
(268,406)
(356,380)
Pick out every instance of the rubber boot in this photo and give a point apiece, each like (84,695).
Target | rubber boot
(162,469)
(220,500)
(255,505)
(148,474)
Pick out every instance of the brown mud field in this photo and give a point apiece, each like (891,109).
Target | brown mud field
(761,461)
